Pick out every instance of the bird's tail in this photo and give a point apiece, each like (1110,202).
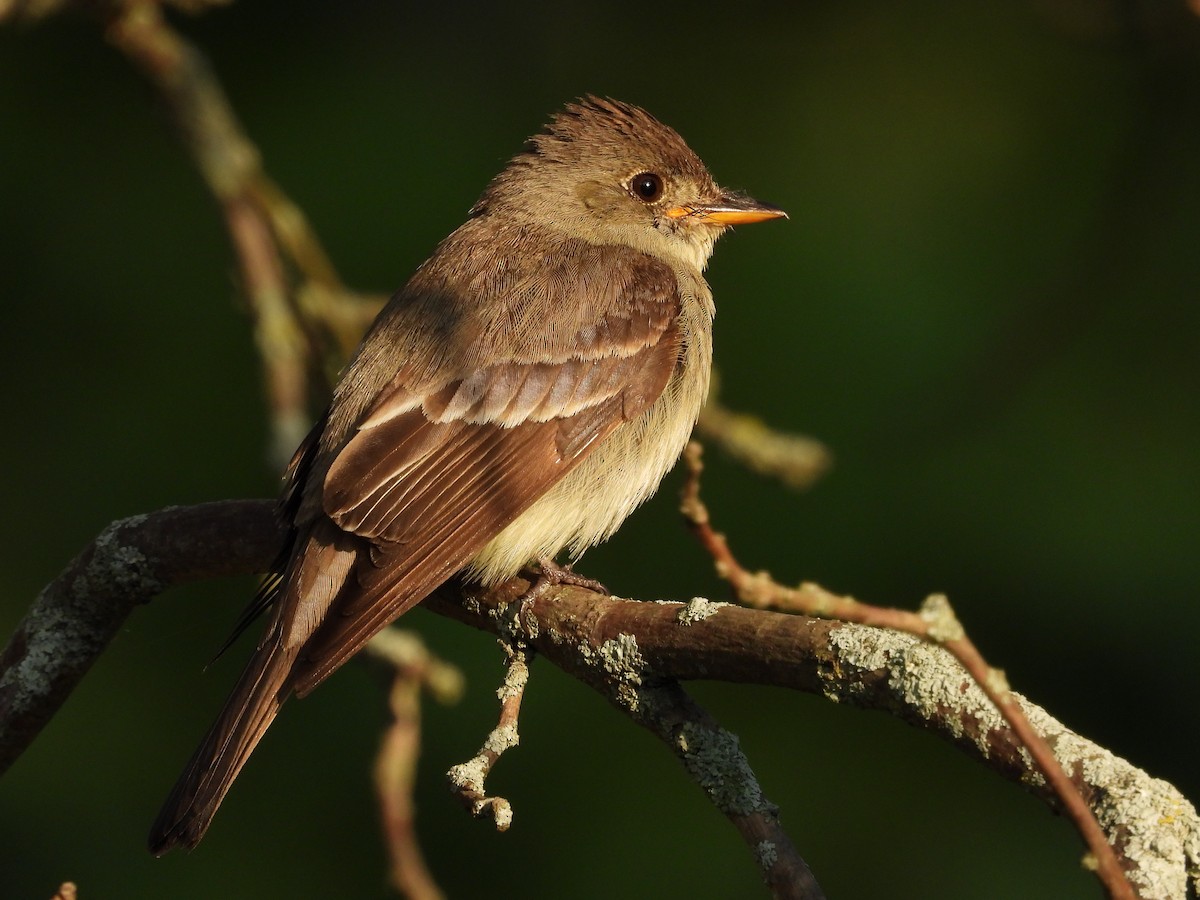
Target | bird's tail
(250,709)
(309,587)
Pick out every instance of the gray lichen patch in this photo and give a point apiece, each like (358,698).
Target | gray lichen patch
(49,635)
(120,570)
(1151,822)
(622,662)
(511,626)
(469,775)
(516,676)
(73,619)
(622,659)
(715,760)
(923,677)
(767,854)
(501,738)
(943,623)
(117,567)
(697,610)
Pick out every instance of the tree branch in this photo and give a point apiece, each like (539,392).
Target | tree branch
(131,561)
(615,668)
(1157,831)
(633,653)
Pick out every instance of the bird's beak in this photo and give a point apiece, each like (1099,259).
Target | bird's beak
(729,209)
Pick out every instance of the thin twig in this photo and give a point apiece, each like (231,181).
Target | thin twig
(229,163)
(936,622)
(794,459)
(414,668)
(468,780)
(318,321)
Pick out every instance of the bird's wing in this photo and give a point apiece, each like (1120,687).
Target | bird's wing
(431,476)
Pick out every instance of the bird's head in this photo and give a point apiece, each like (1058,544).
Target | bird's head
(610,173)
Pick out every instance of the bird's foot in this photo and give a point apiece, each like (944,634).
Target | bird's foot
(551,573)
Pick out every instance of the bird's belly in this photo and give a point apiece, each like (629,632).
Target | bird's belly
(592,500)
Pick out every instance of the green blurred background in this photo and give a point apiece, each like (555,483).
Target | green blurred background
(984,302)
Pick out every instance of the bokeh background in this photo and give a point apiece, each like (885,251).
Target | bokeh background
(984,302)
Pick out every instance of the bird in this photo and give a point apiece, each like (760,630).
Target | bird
(517,399)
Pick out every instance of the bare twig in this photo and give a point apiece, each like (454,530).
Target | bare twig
(396,764)
(321,320)
(229,164)
(794,459)
(936,622)
(395,778)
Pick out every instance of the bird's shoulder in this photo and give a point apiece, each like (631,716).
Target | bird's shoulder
(521,288)
(514,294)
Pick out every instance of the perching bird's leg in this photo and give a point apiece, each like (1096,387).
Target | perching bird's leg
(551,573)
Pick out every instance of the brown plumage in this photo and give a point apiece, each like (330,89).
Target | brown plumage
(520,396)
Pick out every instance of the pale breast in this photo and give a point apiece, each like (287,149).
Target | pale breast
(592,500)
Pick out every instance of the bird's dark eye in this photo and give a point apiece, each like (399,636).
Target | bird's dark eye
(646,186)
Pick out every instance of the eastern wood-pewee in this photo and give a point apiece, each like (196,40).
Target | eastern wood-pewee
(520,396)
